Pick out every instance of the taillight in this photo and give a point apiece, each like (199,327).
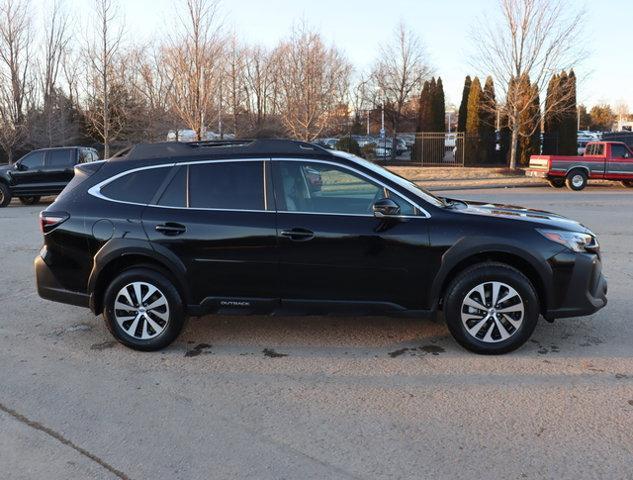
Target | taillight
(50,220)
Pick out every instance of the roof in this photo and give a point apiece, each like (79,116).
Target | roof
(229,148)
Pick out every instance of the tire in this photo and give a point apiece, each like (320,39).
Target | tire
(480,332)
(627,183)
(5,195)
(130,326)
(30,200)
(576,180)
(556,182)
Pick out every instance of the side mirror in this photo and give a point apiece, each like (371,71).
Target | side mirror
(385,207)
(19,167)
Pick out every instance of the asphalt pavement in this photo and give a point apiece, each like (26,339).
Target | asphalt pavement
(318,397)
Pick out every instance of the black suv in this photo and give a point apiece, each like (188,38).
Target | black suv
(271,226)
(41,172)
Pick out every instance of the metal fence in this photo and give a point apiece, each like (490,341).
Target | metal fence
(439,149)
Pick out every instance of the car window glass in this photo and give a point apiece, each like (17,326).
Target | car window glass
(59,158)
(619,151)
(33,160)
(227,185)
(599,149)
(175,195)
(135,187)
(323,188)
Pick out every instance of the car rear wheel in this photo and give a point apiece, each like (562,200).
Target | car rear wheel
(143,309)
(491,308)
(5,195)
(627,183)
(576,180)
(30,200)
(556,182)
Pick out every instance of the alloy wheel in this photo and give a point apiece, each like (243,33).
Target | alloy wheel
(492,312)
(141,310)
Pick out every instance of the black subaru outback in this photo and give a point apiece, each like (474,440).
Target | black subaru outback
(173,230)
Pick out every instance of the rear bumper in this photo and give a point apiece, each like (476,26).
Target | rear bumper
(49,288)
(586,291)
(537,173)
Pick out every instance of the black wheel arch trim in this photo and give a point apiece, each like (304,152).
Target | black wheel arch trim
(476,247)
(118,248)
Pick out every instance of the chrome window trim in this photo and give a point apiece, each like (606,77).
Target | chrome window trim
(424,213)
(95,190)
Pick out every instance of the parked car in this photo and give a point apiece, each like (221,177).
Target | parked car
(602,160)
(41,172)
(172,230)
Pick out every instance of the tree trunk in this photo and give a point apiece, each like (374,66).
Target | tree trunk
(514,147)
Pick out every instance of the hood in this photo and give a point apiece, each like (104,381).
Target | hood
(5,167)
(512,212)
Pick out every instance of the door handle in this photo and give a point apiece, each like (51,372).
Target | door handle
(171,229)
(298,234)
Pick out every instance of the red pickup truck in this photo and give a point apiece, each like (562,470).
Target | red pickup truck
(602,160)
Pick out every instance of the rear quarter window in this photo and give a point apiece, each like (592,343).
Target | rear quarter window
(135,187)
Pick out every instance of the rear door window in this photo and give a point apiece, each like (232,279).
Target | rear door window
(60,159)
(220,185)
(175,195)
(136,187)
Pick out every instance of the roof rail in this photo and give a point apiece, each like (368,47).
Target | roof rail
(222,147)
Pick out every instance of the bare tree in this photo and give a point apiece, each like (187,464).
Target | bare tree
(15,69)
(398,74)
(260,87)
(192,59)
(313,82)
(101,53)
(531,39)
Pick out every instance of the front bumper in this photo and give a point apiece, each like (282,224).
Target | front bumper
(580,286)
(49,288)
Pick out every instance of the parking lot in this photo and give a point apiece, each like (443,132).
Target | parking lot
(318,397)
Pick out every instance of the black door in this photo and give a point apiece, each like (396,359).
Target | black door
(222,230)
(59,168)
(28,174)
(332,248)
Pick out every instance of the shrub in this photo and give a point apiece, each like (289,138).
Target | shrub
(368,151)
(348,144)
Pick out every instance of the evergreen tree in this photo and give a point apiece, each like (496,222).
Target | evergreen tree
(424,108)
(530,141)
(463,107)
(487,122)
(473,121)
(552,121)
(569,123)
(440,106)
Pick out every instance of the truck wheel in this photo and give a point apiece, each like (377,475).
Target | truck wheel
(5,195)
(627,183)
(30,200)
(556,182)
(491,308)
(576,180)
(143,309)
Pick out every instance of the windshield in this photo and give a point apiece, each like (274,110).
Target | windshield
(403,182)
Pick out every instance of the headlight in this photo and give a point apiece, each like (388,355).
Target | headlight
(576,241)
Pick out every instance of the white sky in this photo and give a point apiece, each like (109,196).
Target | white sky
(357,27)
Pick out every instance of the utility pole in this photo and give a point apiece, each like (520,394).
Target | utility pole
(368,123)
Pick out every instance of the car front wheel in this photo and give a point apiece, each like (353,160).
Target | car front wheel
(143,309)
(491,308)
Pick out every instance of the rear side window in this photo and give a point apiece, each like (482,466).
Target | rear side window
(135,187)
(175,195)
(227,185)
(60,158)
